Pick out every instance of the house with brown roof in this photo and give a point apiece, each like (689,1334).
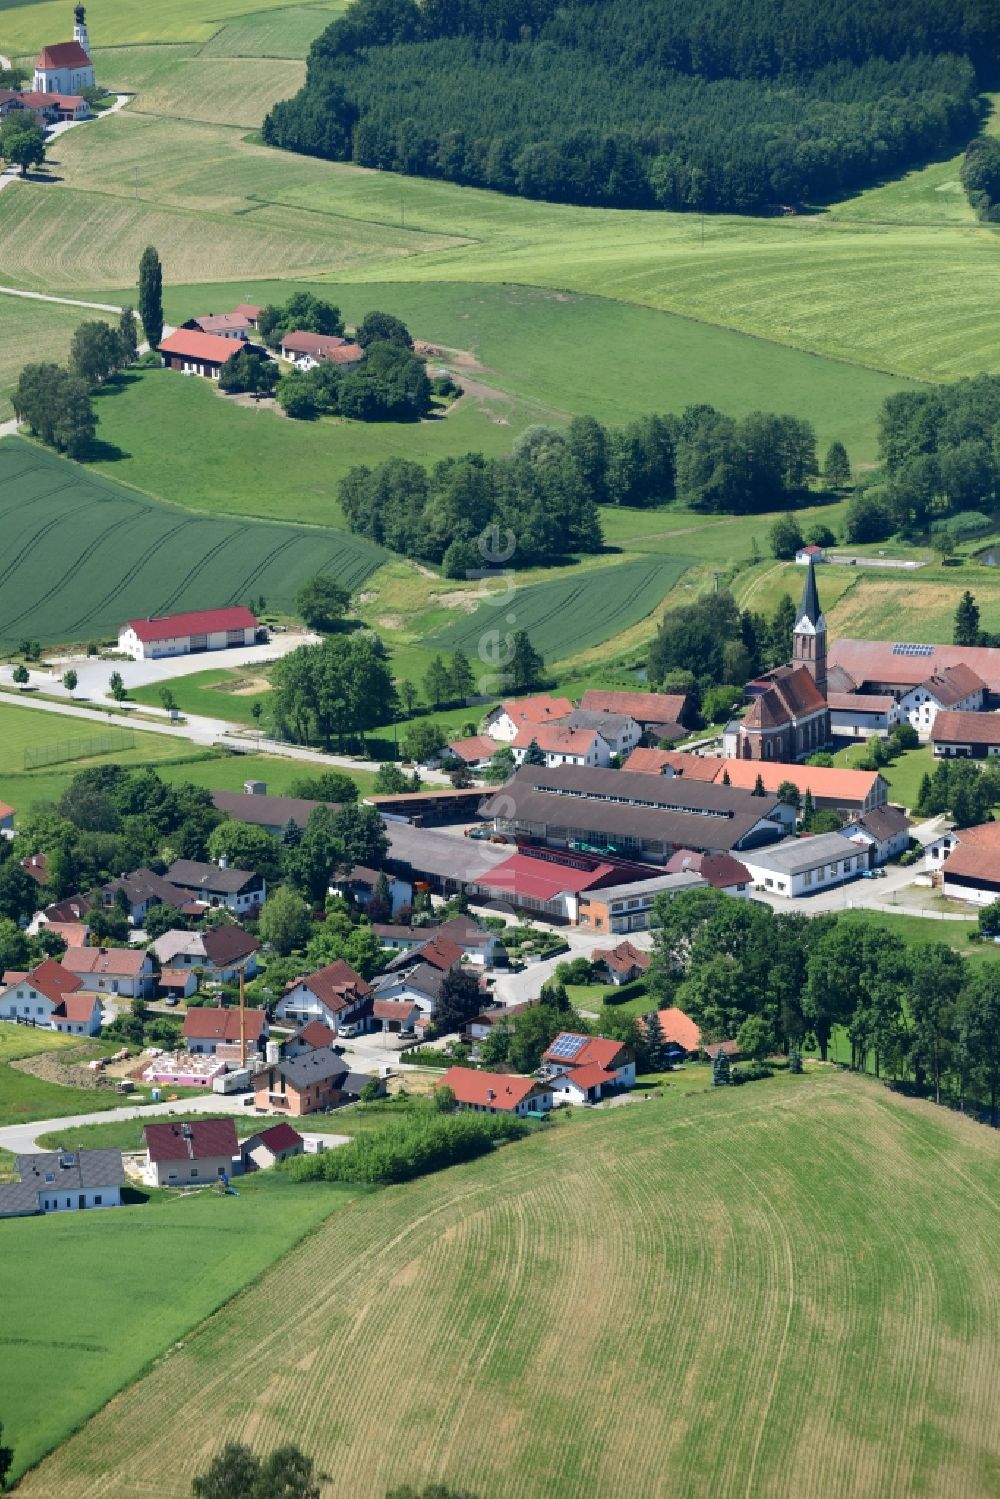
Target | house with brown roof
(51,997)
(623,963)
(884,831)
(475,753)
(505,722)
(395,1016)
(681,1035)
(721,871)
(306,350)
(958,735)
(957,688)
(653,711)
(123,971)
(241,890)
(236,324)
(859,715)
(221,953)
(312,1036)
(198,1153)
(497,1092)
(335,994)
(222,1032)
(972,870)
(661,762)
(562,745)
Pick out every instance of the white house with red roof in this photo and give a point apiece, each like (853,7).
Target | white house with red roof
(307,350)
(562,745)
(185,634)
(584,1069)
(218,1033)
(51,998)
(623,963)
(497,1092)
(335,994)
(507,721)
(66,67)
(279,1143)
(125,971)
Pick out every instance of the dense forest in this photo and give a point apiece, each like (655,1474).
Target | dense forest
(940,452)
(547,492)
(709,105)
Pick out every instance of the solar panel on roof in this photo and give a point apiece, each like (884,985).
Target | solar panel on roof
(567,1046)
(908,649)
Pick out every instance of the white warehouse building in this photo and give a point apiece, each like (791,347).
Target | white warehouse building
(185,634)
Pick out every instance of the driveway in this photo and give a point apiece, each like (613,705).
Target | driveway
(93,674)
(22,1137)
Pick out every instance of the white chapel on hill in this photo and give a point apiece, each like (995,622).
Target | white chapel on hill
(65,67)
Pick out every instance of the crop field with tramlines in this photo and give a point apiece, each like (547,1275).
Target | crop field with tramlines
(25,28)
(82,554)
(572,614)
(783,1289)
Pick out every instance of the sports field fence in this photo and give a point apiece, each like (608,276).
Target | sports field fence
(58,751)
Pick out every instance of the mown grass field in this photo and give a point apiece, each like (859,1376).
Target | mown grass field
(919,607)
(84,553)
(219,692)
(903,775)
(566,617)
(244,460)
(102,1295)
(182,83)
(32,330)
(61,739)
(805,1265)
(25,28)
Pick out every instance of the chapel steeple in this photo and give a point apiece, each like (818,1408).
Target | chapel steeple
(809,638)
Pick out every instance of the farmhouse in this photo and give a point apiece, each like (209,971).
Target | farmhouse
(953,687)
(307,350)
(619,731)
(181,1155)
(642,817)
(497,1092)
(63,1181)
(187,634)
(895,669)
(562,745)
(859,715)
(801,866)
(66,68)
(885,831)
(124,971)
(622,963)
(336,995)
(661,762)
(660,715)
(509,719)
(279,1143)
(680,1034)
(972,870)
(196,353)
(51,997)
(57,107)
(217,884)
(237,324)
(475,752)
(214,1033)
(958,735)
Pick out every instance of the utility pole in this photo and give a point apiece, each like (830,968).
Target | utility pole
(243,1019)
(135,177)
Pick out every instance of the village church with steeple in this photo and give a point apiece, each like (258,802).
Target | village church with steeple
(65,67)
(789,717)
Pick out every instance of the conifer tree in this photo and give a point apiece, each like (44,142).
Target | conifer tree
(967,620)
(151,295)
(808,808)
(837,466)
(655,1042)
(533,754)
(794,1059)
(758,786)
(720,1070)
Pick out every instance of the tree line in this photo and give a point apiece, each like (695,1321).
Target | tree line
(54,401)
(709,106)
(711,647)
(918,1014)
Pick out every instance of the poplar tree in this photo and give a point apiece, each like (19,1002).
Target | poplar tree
(151,295)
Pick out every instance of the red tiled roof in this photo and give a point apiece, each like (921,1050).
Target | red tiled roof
(812,550)
(197,1141)
(589,1076)
(537,710)
(77,1008)
(596,1050)
(248,310)
(202,1024)
(212,321)
(829,782)
(951,684)
(73,933)
(644,707)
(51,979)
(191,344)
(479,747)
(125,961)
(316,1034)
(347,354)
(859,702)
(393,1009)
(680,1028)
(63,55)
(439,952)
(280,1137)
(977,856)
(198,622)
(657,761)
(6,811)
(556,739)
(322,345)
(491,1090)
(952,726)
(540,878)
(43,99)
(336,986)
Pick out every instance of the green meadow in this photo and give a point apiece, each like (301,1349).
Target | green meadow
(805,1264)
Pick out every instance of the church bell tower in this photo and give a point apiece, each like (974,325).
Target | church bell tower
(80,28)
(809,638)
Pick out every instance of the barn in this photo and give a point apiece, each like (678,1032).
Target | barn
(185,634)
